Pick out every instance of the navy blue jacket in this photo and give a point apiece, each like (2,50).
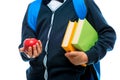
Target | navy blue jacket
(58,66)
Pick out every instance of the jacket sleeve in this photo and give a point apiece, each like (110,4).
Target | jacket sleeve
(27,32)
(106,34)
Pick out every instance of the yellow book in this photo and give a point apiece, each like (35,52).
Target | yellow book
(66,43)
(68,37)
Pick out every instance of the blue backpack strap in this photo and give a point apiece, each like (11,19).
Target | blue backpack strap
(33,11)
(80,8)
(97,69)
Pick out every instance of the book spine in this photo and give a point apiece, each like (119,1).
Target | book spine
(66,44)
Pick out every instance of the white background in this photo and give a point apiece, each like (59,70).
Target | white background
(11,15)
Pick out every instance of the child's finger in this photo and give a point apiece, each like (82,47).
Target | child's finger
(29,52)
(71,54)
(35,52)
(39,47)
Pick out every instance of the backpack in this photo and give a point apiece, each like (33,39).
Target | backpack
(92,71)
(79,5)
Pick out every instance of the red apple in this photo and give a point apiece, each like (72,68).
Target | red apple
(29,42)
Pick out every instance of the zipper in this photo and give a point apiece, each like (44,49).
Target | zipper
(46,48)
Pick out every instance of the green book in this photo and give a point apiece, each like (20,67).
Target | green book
(85,36)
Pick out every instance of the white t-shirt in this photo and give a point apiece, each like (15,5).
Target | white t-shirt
(54,5)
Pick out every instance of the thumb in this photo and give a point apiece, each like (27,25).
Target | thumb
(21,49)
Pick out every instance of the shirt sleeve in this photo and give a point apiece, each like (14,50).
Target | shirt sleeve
(106,34)
(27,32)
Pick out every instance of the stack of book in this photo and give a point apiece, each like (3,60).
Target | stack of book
(79,36)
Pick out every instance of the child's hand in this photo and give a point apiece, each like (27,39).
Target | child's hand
(34,51)
(77,57)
